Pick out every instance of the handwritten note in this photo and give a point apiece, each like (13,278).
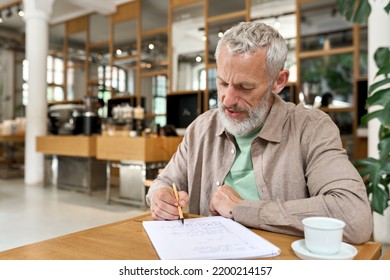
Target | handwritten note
(207,238)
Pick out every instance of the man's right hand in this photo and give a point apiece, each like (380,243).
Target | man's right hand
(164,204)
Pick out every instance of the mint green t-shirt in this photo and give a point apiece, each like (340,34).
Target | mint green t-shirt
(241,177)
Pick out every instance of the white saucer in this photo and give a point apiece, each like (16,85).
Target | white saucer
(347,252)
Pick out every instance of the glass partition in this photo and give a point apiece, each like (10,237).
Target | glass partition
(330,75)
(215,32)
(125,40)
(216,8)
(154,61)
(154,52)
(154,14)
(322,27)
(212,88)
(55,63)
(282,16)
(125,57)
(99,57)
(76,66)
(187,47)
(154,96)
(363,51)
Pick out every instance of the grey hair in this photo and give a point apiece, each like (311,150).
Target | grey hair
(250,37)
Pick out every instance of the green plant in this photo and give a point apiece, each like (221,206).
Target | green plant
(375,172)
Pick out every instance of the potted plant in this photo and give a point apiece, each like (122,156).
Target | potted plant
(375,171)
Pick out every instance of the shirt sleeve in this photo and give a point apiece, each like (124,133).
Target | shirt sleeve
(175,171)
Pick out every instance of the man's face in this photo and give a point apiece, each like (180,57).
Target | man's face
(244,90)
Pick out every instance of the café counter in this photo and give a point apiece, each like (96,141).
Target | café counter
(77,167)
(138,160)
(85,162)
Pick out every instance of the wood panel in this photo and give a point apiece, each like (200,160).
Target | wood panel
(12,138)
(151,149)
(180,3)
(80,146)
(77,25)
(126,11)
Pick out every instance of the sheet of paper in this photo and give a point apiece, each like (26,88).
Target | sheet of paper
(207,238)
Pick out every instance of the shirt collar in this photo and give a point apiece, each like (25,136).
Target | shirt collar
(273,126)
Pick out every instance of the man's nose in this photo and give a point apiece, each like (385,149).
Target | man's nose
(231,96)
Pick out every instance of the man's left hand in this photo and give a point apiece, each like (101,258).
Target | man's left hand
(223,202)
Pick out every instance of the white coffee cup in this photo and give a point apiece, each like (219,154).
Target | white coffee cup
(323,236)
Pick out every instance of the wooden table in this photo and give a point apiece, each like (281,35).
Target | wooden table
(127,240)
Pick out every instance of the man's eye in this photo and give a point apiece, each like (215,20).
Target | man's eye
(244,87)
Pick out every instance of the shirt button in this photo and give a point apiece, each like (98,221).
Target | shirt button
(218,183)
(232,151)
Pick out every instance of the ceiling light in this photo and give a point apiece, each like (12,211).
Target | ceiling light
(20,11)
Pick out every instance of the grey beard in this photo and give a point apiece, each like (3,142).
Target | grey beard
(256,118)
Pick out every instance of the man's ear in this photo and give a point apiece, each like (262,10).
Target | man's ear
(280,81)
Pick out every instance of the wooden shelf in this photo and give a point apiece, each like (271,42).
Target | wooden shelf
(318,53)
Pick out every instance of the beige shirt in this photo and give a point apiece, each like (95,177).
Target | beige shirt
(300,167)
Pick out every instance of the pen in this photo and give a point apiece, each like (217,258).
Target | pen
(178,206)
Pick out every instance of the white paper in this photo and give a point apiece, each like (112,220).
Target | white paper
(207,238)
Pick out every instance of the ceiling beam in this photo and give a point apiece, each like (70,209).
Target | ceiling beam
(104,7)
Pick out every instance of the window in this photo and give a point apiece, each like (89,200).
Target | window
(119,79)
(159,93)
(55,79)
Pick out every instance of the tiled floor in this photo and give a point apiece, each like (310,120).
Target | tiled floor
(33,213)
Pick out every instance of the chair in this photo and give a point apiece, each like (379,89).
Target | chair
(148,182)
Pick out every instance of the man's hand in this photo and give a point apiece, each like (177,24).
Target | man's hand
(164,204)
(223,201)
